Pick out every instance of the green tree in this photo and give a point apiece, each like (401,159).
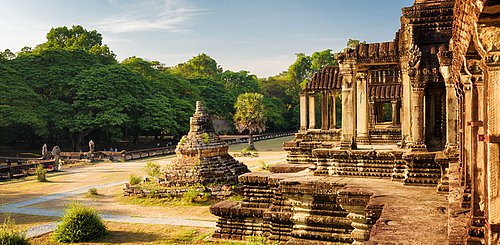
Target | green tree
(78,38)
(352,43)
(201,65)
(240,82)
(322,59)
(250,115)
(103,97)
(7,55)
(21,109)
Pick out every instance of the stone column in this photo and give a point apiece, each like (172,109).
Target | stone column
(333,112)
(394,113)
(445,58)
(473,125)
(303,111)
(362,107)
(451,120)
(348,139)
(417,116)
(406,103)
(312,111)
(324,110)
(492,145)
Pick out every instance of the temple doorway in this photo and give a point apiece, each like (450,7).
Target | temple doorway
(435,116)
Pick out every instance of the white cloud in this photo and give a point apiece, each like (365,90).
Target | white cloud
(150,15)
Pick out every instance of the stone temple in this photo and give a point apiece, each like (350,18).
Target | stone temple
(202,157)
(420,114)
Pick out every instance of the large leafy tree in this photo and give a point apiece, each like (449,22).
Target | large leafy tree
(250,115)
(20,107)
(239,82)
(201,65)
(77,38)
(103,97)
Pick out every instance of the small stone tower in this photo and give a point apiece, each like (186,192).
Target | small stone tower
(202,157)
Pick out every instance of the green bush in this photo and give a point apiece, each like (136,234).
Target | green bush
(9,235)
(134,179)
(264,166)
(79,224)
(152,169)
(92,192)
(190,196)
(205,138)
(41,173)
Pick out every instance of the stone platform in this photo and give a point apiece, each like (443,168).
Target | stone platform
(301,208)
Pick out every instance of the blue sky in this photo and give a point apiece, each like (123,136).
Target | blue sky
(261,36)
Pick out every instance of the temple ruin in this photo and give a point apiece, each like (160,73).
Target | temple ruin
(202,162)
(420,110)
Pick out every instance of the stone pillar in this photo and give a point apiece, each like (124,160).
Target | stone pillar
(303,111)
(348,139)
(333,112)
(492,146)
(451,120)
(324,111)
(362,107)
(417,116)
(312,111)
(406,103)
(475,224)
(394,113)
(445,58)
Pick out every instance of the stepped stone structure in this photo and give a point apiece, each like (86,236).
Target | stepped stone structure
(202,157)
(422,109)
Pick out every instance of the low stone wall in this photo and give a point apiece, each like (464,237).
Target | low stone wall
(22,167)
(301,147)
(216,191)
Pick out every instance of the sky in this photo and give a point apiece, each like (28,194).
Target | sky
(260,36)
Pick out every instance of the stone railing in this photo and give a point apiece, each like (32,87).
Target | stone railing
(232,141)
(20,167)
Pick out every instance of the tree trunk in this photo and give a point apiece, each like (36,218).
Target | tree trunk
(251,145)
(76,139)
(136,137)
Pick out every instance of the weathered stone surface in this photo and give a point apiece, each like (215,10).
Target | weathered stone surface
(202,157)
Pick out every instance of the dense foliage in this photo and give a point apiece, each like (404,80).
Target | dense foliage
(71,89)
(10,235)
(79,224)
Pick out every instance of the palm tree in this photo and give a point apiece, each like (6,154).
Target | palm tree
(250,115)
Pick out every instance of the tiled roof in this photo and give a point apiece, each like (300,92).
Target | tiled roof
(327,78)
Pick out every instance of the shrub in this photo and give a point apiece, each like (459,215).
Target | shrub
(92,192)
(41,173)
(183,139)
(79,224)
(190,196)
(9,235)
(264,166)
(134,179)
(152,169)
(205,138)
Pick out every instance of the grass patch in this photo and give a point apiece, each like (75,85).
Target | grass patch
(125,233)
(79,224)
(41,173)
